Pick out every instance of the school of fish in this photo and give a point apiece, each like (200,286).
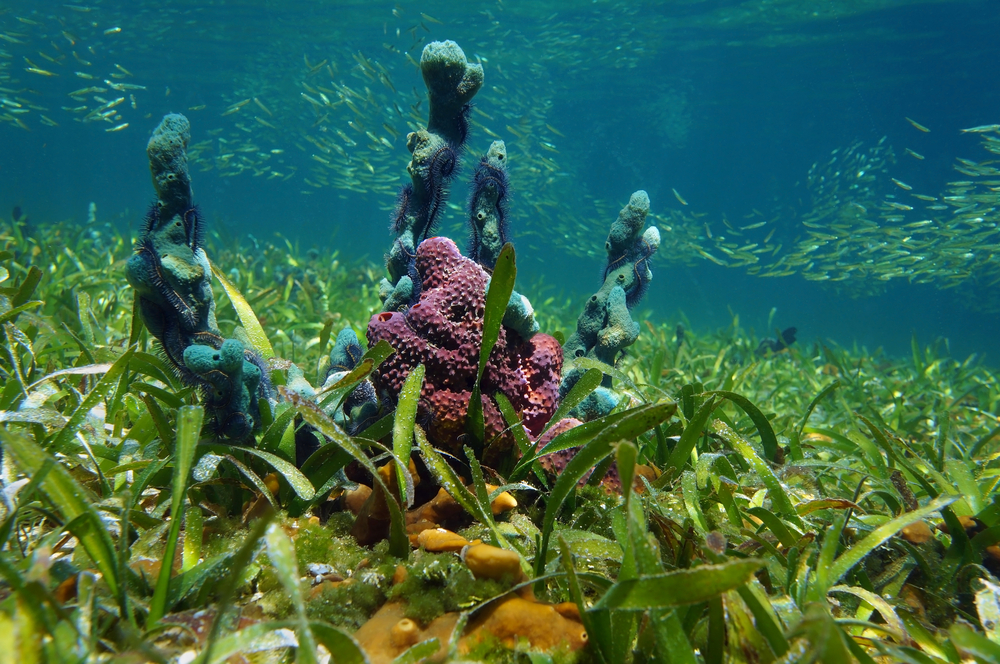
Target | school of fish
(336,118)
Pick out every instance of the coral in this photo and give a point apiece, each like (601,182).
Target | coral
(423,523)
(438,582)
(433,299)
(443,508)
(555,463)
(443,331)
(355,499)
(440,510)
(346,351)
(784,339)
(520,316)
(171,275)
(169,269)
(546,627)
(504,502)
(438,585)
(167,152)
(605,328)
(451,83)
(372,524)
(489,229)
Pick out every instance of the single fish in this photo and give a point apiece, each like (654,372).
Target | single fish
(784,339)
(982,129)
(262,107)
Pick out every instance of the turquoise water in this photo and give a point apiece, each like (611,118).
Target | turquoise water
(717,109)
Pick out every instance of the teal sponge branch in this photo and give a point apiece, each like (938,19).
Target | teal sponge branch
(605,327)
(452,81)
(172,278)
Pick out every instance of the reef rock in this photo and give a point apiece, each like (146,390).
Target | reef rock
(443,331)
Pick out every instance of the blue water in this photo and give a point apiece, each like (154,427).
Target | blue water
(727,103)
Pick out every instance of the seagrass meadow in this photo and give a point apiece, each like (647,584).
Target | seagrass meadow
(229,434)
(816,504)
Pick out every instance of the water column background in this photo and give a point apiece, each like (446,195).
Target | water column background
(726,104)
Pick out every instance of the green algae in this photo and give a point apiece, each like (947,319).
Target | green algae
(348,606)
(437,583)
(368,572)
(332,544)
(491,651)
